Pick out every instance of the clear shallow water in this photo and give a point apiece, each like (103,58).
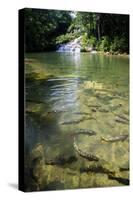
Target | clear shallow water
(67,92)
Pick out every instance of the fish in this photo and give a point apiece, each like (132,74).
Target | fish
(83,154)
(71,122)
(124,181)
(124,169)
(115,139)
(81,113)
(85,131)
(122,117)
(76,121)
(93,105)
(120,120)
(96,168)
(57,111)
(103,110)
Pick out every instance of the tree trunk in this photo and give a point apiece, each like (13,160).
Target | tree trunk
(98,26)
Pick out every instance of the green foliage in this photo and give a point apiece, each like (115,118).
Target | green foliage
(45,29)
(92,41)
(43,26)
(108,32)
(104,44)
(87,22)
(116,45)
(85,41)
(66,38)
(119,45)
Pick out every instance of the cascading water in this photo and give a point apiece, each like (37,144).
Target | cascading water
(73,46)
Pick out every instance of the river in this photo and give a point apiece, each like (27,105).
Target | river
(76,103)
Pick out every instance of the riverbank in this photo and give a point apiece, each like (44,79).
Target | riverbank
(113,54)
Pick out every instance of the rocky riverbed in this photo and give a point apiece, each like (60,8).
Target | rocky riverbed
(77,130)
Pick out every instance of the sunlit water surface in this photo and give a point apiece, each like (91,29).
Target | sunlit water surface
(67,92)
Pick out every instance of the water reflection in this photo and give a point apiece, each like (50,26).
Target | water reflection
(76,93)
(77,59)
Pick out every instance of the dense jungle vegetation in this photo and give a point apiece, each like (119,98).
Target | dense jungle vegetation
(45,30)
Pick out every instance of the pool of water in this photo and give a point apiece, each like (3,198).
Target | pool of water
(77,121)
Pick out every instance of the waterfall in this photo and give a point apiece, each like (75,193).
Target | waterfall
(73,46)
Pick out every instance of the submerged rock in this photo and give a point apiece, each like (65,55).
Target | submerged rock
(37,152)
(61,160)
(92,85)
(36,166)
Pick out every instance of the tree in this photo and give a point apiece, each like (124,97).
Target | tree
(43,26)
(45,29)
